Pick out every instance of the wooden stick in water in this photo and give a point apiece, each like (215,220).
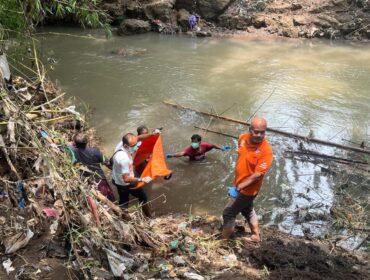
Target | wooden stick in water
(277,131)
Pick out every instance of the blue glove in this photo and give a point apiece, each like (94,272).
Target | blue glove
(169,156)
(232,192)
(225,148)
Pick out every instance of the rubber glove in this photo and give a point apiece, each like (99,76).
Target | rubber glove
(169,156)
(232,192)
(146,179)
(225,148)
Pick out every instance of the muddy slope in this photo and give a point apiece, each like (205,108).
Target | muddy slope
(332,19)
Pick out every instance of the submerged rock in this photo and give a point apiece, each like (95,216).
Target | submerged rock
(129,51)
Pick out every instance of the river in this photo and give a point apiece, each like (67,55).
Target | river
(318,88)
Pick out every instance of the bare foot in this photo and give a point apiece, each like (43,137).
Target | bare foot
(254,238)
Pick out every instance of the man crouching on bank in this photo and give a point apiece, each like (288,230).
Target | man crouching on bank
(254,159)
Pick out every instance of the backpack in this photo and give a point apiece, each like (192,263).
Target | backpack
(109,163)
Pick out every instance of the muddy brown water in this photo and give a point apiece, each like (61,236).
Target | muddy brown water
(319,87)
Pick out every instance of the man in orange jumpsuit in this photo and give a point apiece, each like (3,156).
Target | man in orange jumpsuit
(254,159)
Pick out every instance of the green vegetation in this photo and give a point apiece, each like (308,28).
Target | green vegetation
(21,17)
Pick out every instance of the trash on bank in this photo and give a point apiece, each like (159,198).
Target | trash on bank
(8,266)
(17,241)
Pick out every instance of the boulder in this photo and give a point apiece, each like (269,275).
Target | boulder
(230,21)
(210,10)
(202,33)
(259,21)
(347,28)
(296,6)
(115,10)
(182,19)
(189,5)
(161,10)
(134,9)
(301,20)
(133,26)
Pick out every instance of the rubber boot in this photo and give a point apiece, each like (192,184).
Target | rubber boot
(146,210)
(255,233)
(226,233)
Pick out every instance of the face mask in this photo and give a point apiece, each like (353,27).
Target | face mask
(132,149)
(195,145)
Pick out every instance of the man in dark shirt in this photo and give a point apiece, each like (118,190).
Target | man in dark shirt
(197,149)
(91,158)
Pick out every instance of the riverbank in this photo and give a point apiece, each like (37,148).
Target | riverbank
(37,174)
(331,19)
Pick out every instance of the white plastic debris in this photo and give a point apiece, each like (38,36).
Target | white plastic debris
(72,109)
(8,266)
(118,264)
(193,276)
(17,241)
(54,227)
(4,67)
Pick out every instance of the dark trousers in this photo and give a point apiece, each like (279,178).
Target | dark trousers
(125,191)
(242,204)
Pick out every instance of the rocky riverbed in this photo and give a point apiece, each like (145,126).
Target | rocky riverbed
(331,19)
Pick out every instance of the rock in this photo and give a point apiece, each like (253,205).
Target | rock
(333,21)
(161,10)
(347,28)
(179,260)
(129,51)
(212,9)
(296,6)
(189,5)
(193,276)
(300,20)
(134,9)
(182,19)
(115,10)
(353,242)
(166,28)
(321,23)
(133,26)
(259,21)
(235,18)
(201,33)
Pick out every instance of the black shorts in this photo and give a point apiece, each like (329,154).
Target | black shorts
(125,191)
(242,204)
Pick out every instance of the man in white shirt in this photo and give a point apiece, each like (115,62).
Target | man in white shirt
(123,176)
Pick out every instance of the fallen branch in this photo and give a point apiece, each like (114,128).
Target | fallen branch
(316,154)
(5,152)
(284,133)
(113,206)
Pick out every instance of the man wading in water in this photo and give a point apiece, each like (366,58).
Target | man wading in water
(197,149)
(254,159)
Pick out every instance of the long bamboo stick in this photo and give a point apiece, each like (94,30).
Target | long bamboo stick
(277,131)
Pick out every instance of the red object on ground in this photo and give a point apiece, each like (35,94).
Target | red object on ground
(50,212)
(94,210)
(151,149)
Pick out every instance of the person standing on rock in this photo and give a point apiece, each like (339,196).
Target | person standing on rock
(255,157)
(192,22)
(123,176)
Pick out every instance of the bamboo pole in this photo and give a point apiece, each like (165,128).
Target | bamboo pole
(277,131)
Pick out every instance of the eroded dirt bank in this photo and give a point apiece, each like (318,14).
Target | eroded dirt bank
(332,19)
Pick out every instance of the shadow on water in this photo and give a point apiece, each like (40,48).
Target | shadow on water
(319,88)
